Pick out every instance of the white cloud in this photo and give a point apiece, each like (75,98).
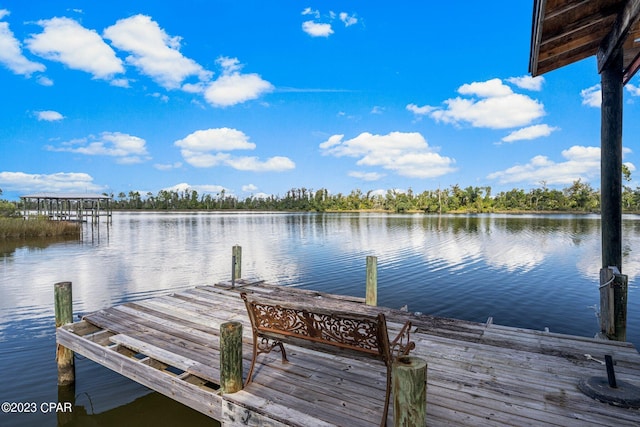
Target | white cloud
(208,148)
(420,111)
(592,96)
(167,166)
(56,182)
(272,164)
(377,110)
(492,105)
(183,187)
(367,176)
(49,116)
(153,51)
(490,89)
(406,154)
(127,149)
(315,29)
(633,90)
(44,81)
(309,11)
(236,88)
(11,52)
(221,139)
(66,41)
(530,132)
(249,188)
(347,19)
(233,87)
(580,163)
(527,82)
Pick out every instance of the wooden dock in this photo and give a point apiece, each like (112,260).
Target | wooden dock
(478,374)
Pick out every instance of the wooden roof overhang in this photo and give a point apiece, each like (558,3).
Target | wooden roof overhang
(566,31)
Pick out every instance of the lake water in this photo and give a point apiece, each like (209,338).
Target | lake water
(531,271)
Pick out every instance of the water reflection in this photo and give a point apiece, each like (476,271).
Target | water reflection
(531,271)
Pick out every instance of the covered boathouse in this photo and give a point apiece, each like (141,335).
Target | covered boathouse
(82,207)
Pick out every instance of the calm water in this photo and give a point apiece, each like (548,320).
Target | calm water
(526,271)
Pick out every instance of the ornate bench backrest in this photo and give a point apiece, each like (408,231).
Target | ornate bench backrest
(351,332)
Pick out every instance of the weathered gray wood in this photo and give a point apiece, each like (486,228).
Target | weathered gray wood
(479,374)
(409,392)
(231,357)
(613,303)
(64,315)
(371,295)
(206,401)
(236,265)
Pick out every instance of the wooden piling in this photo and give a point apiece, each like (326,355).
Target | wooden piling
(230,357)
(236,256)
(613,303)
(409,392)
(64,315)
(371,297)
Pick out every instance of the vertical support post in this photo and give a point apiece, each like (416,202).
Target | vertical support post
(409,391)
(613,303)
(64,315)
(236,257)
(230,357)
(611,161)
(371,296)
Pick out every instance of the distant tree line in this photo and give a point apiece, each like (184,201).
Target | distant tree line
(578,197)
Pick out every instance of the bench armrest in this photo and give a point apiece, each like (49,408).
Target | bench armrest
(402,344)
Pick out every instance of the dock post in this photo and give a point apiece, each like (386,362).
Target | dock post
(409,391)
(613,303)
(64,315)
(230,357)
(371,297)
(236,255)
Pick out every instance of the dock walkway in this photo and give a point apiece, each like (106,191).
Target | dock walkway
(478,374)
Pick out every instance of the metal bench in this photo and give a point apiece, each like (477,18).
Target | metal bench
(274,322)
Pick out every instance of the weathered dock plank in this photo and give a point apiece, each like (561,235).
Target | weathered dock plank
(478,373)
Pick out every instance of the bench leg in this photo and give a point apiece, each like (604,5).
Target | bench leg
(385,413)
(266,347)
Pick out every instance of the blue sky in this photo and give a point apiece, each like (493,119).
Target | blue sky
(258,97)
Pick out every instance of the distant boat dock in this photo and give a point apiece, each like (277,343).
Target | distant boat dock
(82,207)
(478,373)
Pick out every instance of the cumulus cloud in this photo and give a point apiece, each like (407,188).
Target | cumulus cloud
(56,182)
(209,148)
(580,163)
(232,87)
(592,96)
(127,149)
(48,116)
(315,29)
(527,82)
(153,51)
(11,52)
(66,41)
(249,188)
(406,154)
(529,132)
(490,104)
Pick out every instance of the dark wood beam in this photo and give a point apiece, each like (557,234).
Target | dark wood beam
(626,19)
(631,70)
(611,162)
